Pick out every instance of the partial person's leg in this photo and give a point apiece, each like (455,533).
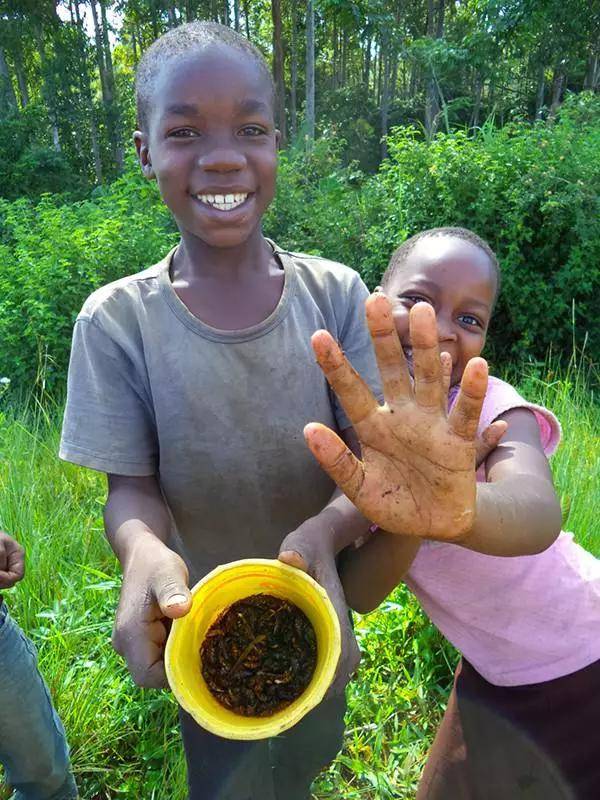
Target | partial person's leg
(445,773)
(300,753)
(224,769)
(494,744)
(33,747)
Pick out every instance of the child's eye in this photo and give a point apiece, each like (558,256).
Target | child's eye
(252,130)
(411,299)
(183,133)
(470,321)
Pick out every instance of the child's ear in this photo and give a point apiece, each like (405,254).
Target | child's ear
(277,139)
(143,150)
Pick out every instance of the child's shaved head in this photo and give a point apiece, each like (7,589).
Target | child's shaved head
(400,256)
(179,42)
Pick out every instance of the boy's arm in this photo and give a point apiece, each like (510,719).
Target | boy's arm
(155,579)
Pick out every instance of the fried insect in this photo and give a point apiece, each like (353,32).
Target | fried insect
(259,655)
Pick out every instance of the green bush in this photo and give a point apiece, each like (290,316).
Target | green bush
(53,255)
(531,191)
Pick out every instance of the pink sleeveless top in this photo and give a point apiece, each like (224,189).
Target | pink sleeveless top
(518,620)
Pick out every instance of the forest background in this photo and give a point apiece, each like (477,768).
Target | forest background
(397,116)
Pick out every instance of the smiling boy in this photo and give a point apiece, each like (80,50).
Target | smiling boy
(190,383)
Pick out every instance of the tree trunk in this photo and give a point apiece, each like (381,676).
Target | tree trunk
(335,48)
(113,103)
(385,99)
(47,86)
(294,72)
(367,63)
(87,96)
(247,20)
(189,11)
(172,15)
(557,86)
(21,80)
(236,14)
(592,73)
(153,18)
(8,100)
(310,72)
(440,20)
(432,108)
(539,95)
(134,47)
(477,89)
(278,75)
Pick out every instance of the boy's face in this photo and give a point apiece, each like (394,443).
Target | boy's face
(212,144)
(459,281)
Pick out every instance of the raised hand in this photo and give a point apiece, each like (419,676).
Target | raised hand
(417,474)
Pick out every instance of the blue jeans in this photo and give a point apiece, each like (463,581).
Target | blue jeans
(33,747)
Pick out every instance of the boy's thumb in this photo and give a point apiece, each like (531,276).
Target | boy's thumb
(172,595)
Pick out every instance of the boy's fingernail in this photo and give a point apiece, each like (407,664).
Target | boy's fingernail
(176,600)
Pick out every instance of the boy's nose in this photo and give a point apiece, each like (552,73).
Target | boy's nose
(222,160)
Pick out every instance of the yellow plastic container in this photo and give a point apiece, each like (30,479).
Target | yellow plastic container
(212,595)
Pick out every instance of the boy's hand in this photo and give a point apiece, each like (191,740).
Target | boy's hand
(417,474)
(154,591)
(12,561)
(309,549)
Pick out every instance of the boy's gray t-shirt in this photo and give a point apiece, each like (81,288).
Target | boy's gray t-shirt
(217,415)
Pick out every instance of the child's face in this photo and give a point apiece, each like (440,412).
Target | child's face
(212,144)
(459,281)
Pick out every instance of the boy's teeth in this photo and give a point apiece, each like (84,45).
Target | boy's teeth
(223,202)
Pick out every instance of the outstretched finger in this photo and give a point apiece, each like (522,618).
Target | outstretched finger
(446,365)
(464,417)
(337,460)
(388,350)
(426,356)
(353,393)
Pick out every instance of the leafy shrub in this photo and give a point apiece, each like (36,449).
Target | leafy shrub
(531,191)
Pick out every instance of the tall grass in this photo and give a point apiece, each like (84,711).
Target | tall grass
(125,741)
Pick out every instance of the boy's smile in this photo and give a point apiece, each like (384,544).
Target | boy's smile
(212,144)
(457,278)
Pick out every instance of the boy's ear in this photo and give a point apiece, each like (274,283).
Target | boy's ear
(277,139)
(143,151)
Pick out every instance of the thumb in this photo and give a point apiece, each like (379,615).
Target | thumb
(489,440)
(335,458)
(171,591)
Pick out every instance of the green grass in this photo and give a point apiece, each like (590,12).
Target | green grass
(125,742)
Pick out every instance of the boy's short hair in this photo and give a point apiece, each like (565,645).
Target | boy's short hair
(400,255)
(179,41)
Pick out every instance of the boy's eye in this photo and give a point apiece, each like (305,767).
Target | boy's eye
(470,321)
(252,130)
(183,133)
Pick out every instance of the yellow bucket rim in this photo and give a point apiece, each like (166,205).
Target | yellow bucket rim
(210,596)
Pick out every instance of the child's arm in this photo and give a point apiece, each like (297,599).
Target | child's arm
(517,511)
(12,561)
(155,579)
(417,476)
(369,573)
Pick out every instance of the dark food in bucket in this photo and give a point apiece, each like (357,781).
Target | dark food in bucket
(259,655)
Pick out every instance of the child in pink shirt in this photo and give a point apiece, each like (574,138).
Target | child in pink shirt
(517,597)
